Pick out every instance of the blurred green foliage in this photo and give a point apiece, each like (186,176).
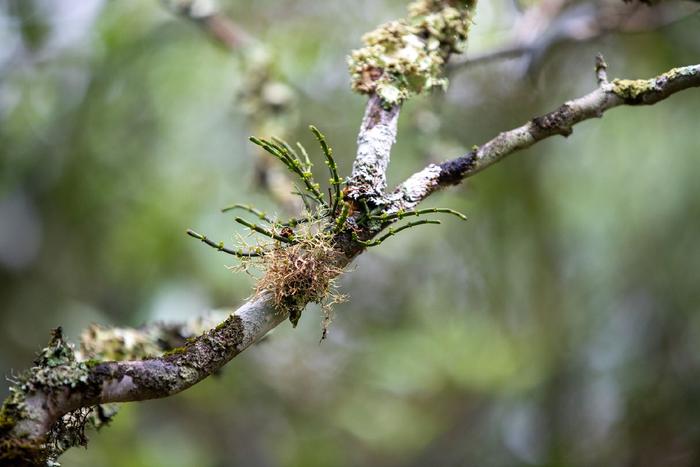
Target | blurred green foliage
(558,327)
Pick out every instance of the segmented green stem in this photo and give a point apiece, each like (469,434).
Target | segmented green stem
(220,246)
(264,231)
(306,163)
(340,220)
(401,214)
(393,232)
(294,165)
(332,167)
(250,209)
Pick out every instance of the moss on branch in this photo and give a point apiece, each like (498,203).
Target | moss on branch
(406,57)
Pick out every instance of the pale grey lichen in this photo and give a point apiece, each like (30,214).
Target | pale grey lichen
(406,57)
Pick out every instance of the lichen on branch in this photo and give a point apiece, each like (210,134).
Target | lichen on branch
(406,57)
(634,91)
(55,371)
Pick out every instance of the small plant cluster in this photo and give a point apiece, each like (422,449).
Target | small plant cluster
(406,57)
(301,259)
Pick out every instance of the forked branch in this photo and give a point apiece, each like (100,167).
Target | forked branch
(61,383)
(561,121)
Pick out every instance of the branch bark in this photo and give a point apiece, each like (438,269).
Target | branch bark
(374,141)
(60,383)
(150,378)
(551,23)
(217,26)
(558,122)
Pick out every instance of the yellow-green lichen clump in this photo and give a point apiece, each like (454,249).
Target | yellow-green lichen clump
(636,88)
(406,57)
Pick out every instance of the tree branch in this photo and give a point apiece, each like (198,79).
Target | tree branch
(135,380)
(558,122)
(553,22)
(218,27)
(60,382)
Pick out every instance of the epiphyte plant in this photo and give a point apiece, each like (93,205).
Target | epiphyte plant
(301,257)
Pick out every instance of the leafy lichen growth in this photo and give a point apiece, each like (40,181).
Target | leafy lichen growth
(55,370)
(406,57)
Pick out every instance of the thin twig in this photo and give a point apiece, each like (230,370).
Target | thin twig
(332,168)
(392,232)
(401,214)
(601,70)
(219,246)
(264,231)
(250,209)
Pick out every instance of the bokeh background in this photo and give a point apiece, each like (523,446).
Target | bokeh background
(559,326)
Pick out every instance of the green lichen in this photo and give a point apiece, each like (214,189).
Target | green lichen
(13,409)
(406,57)
(632,88)
(635,89)
(678,72)
(7,421)
(55,370)
(55,367)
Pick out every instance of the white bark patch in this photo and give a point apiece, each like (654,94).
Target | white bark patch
(258,316)
(373,153)
(374,141)
(415,189)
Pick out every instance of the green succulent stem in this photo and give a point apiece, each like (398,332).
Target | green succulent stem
(306,163)
(219,246)
(256,212)
(342,218)
(303,152)
(294,165)
(418,212)
(392,232)
(332,168)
